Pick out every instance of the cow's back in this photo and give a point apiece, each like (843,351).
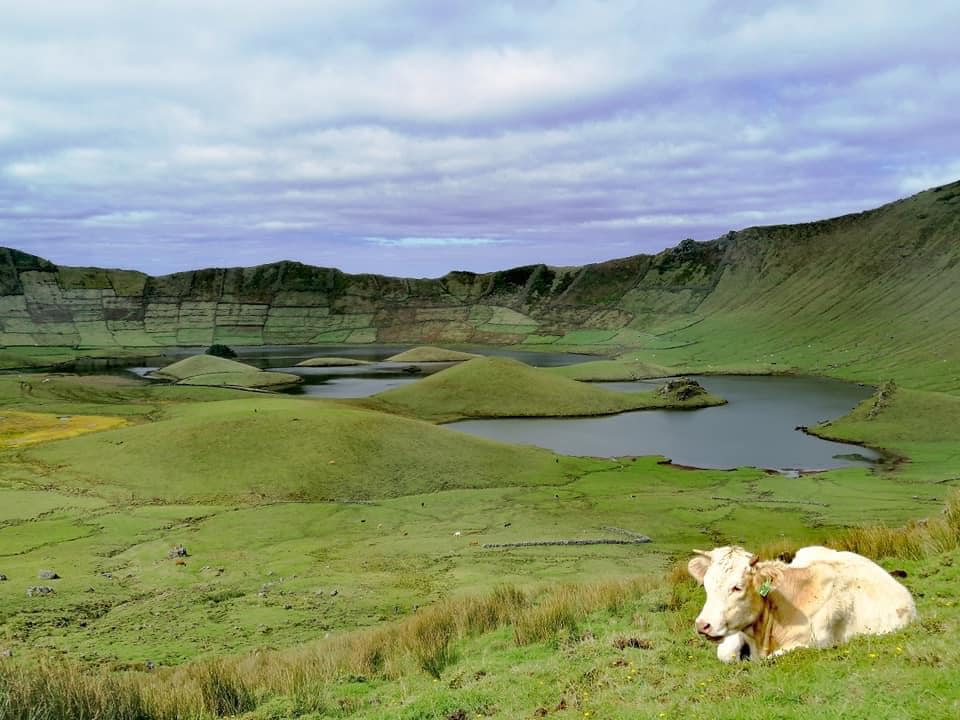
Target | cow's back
(866,599)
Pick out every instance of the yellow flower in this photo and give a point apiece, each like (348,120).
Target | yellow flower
(872,655)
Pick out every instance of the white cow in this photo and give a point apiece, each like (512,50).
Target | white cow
(822,598)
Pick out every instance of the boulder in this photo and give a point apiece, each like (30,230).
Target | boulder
(682,388)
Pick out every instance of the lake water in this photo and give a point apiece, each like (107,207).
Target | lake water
(359,380)
(756,428)
(366,380)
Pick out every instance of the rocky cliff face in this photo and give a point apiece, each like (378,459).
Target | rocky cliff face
(855,275)
(291,303)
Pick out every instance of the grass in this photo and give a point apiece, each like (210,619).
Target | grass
(500,387)
(228,450)
(618,649)
(866,297)
(20,428)
(213,371)
(202,365)
(332,362)
(270,541)
(428,353)
(612,371)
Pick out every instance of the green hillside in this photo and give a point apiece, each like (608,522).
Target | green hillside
(332,362)
(501,387)
(426,353)
(212,371)
(201,365)
(278,448)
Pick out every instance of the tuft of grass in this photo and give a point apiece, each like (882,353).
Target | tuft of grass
(881,542)
(222,688)
(429,638)
(556,613)
(916,540)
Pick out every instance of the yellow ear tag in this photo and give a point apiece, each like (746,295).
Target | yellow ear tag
(765,589)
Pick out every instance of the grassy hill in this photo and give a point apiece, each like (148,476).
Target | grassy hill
(212,371)
(278,448)
(332,362)
(501,387)
(427,353)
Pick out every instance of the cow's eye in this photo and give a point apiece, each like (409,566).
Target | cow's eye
(736,588)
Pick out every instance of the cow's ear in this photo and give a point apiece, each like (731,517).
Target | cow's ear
(765,577)
(697,567)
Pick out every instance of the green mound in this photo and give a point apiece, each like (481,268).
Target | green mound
(201,365)
(253,379)
(332,362)
(212,371)
(500,387)
(612,371)
(427,353)
(284,448)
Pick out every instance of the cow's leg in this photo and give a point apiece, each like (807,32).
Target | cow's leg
(787,648)
(734,647)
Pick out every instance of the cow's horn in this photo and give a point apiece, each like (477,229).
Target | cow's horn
(701,552)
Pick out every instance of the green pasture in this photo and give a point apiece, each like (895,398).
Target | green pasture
(282,501)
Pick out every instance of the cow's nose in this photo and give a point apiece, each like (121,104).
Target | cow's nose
(703,627)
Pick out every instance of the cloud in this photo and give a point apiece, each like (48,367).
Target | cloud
(413,137)
(429,242)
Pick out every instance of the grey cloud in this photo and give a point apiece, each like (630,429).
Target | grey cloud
(164,137)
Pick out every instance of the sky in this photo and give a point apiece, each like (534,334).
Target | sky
(417,137)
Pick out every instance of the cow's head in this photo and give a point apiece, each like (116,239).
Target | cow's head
(736,586)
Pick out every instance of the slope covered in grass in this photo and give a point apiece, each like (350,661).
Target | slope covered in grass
(428,353)
(613,649)
(332,362)
(213,371)
(280,448)
(622,369)
(201,365)
(867,297)
(501,387)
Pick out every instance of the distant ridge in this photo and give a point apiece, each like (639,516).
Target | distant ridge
(883,283)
